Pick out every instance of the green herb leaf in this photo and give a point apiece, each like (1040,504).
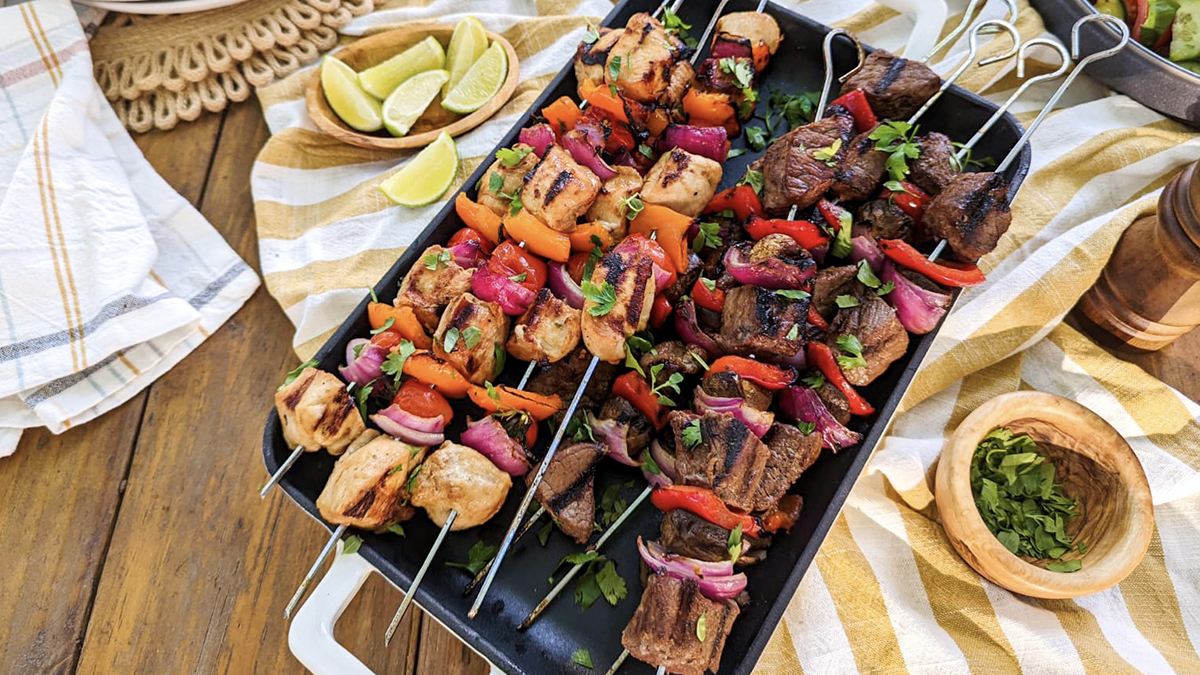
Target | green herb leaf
(895,186)
(794,109)
(851,356)
(741,69)
(602,297)
(675,26)
(691,434)
(500,356)
(515,204)
(846,301)
(794,294)
(397,529)
(386,325)
(709,284)
(471,336)
(754,179)
(702,627)
(898,139)
(646,151)
(631,360)
(671,383)
(477,557)
(492,392)
(806,428)
(295,372)
(435,260)
(734,543)
(1065,566)
(544,533)
(736,152)
(614,67)
(581,657)
(513,156)
(611,584)
(519,277)
(450,339)
(495,182)
(700,360)
(632,205)
(650,465)
(829,154)
(866,275)
(611,505)
(351,544)
(708,237)
(579,429)
(360,398)
(394,363)
(886,288)
(794,333)
(842,246)
(591,35)
(374,298)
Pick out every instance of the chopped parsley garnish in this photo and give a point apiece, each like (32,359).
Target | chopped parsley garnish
(794,294)
(866,275)
(514,202)
(702,626)
(435,260)
(581,657)
(492,392)
(646,150)
(471,336)
(477,557)
(814,381)
(602,297)
(391,320)
(450,339)
(500,356)
(895,186)
(397,529)
(631,360)
(851,356)
(611,506)
(591,35)
(897,139)
(734,543)
(794,109)
(394,363)
(513,156)
(495,183)
(741,69)
(360,398)
(846,301)
(736,152)
(754,179)
(650,465)
(374,298)
(614,67)
(700,360)
(351,544)
(544,533)
(579,430)
(295,372)
(709,236)
(675,26)
(806,428)
(794,333)
(599,579)
(709,284)
(519,277)
(829,154)
(632,205)
(842,246)
(412,480)
(756,138)
(672,383)
(691,434)
(886,288)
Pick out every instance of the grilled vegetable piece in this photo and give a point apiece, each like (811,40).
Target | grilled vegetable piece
(790,454)
(591,59)
(880,334)
(935,167)
(758,321)
(895,87)
(547,331)
(481,327)
(793,172)
(861,170)
(317,412)
(367,488)
(568,489)
(610,206)
(497,193)
(685,533)
(644,60)
(683,182)
(884,219)
(559,190)
(971,214)
(624,289)
(757,27)
(663,630)
(433,281)
(457,478)
(727,459)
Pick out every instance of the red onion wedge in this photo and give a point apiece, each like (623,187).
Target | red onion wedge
(710,142)
(539,137)
(467,254)
(366,366)
(489,437)
(725,48)
(771,273)
(512,297)
(918,308)
(758,421)
(664,462)
(563,286)
(578,144)
(866,248)
(388,421)
(612,434)
(716,580)
(688,327)
(803,405)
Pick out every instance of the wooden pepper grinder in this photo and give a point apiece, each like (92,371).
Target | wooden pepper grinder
(1149,293)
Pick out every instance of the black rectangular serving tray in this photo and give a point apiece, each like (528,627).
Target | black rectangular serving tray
(523,580)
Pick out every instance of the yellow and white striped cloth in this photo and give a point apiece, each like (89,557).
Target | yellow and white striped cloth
(108,277)
(887,594)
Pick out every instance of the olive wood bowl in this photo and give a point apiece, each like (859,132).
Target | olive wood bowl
(380,47)
(1095,465)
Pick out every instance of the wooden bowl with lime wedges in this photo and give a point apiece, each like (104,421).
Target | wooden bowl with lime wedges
(401,88)
(1073,531)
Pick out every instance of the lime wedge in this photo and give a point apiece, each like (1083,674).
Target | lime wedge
(467,44)
(356,107)
(480,83)
(381,80)
(411,99)
(427,176)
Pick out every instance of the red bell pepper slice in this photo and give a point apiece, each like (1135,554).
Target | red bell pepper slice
(912,201)
(956,275)
(763,374)
(705,504)
(855,102)
(741,199)
(805,233)
(709,299)
(820,355)
(633,388)
(816,319)
(784,515)
(659,311)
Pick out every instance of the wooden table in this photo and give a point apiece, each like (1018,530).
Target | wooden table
(138,544)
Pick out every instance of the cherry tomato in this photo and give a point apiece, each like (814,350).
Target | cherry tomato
(387,339)
(577,264)
(659,311)
(418,399)
(467,234)
(512,260)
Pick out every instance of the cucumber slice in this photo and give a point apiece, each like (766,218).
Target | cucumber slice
(1185,36)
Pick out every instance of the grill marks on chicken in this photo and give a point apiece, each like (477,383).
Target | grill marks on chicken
(457,478)
(568,489)
(895,87)
(630,274)
(474,358)
(792,175)
(591,59)
(790,453)
(729,459)
(663,629)
(683,182)
(367,486)
(648,62)
(757,27)
(548,331)
(431,283)
(880,333)
(558,190)
(971,214)
(317,412)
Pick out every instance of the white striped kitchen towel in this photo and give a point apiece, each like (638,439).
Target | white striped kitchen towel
(108,277)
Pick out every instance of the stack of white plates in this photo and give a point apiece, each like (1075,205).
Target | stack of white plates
(158,6)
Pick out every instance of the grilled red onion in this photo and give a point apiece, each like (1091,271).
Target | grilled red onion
(622,158)
(803,405)
(366,366)
(819,253)
(612,434)
(664,462)
(539,137)
(432,425)
(467,254)
(716,580)
(562,285)
(758,421)
(492,441)
(661,277)
(490,286)
(393,421)
(710,142)
(725,48)
(919,309)
(866,248)
(771,273)
(689,329)
(799,361)
(579,145)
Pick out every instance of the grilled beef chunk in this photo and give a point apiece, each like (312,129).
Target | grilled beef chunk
(728,384)
(881,334)
(561,377)
(663,629)
(568,490)
(791,175)
(934,168)
(884,219)
(638,430)
(759,321)
(971,214)
(791,453)
(835,401)
(861,170)
(729,459)
(829,284)
(687,534)
(895,87)
(684,282)
(675,357)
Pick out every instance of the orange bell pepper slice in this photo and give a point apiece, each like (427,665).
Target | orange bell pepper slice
(509,398)
(404,322)
(603,98)
(478,217)
(581,238)
(424,366)
(538,237)
(671,229)
(562,114)
(708,109)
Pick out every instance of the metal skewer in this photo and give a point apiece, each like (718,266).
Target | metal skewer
(312,571)
(979,29)
(416,582)
(966,21)
(287,463)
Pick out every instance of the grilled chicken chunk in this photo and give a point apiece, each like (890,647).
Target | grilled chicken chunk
(758,321)
(683,182)
(367,486)
(645,59)
(790,454)
(511,180)
(547,331)
(792,174)
(558,190)
(880,333)
(481,327)
(591,59)
(568,489)
(433,281)
(971,214)
(757,27)
(728,459)
(317,412)
(935,167)
(625,282)
(663,629)
(609,207)
(861,170)
(895,87)
(457,478)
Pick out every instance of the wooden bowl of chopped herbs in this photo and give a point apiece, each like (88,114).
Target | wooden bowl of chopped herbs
(1043,497)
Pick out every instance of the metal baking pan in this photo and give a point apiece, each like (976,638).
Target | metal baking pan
(523,580)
